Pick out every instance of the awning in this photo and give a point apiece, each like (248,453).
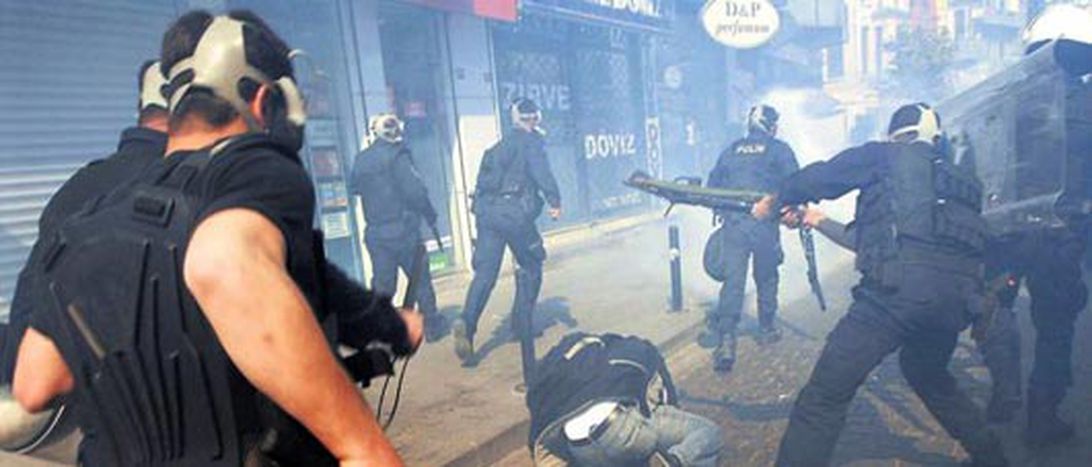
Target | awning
(504,10)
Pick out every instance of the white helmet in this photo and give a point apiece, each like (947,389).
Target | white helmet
(1058,21)
(914,123)
(387,127)
(763,118)
(152,83)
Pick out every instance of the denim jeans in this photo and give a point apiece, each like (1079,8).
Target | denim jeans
(632,439)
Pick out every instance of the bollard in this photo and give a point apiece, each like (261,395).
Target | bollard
(676,268)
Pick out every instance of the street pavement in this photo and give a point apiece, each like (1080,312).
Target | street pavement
(614,277)
(887,425)
(616,281)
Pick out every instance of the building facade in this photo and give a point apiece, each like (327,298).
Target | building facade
(624,85)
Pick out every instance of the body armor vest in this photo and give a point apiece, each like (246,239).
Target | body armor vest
(504,169)
(383,204)
(153,384)
(922,204)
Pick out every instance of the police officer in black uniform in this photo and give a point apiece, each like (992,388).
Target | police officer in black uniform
(513,179)
(919,243)
(757,162)
(395,201)
(1047,260)
(206,285)
(138,147)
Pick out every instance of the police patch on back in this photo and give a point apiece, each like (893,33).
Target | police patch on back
(751,149)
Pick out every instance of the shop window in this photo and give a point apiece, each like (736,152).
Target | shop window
(413,68)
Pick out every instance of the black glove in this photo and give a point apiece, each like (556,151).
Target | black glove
(363,316)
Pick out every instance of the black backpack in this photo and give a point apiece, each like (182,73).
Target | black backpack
(494,167)
(584,368)
(153,384)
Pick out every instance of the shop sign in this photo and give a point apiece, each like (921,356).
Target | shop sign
(655,155)
(335,225)
(610,145)
(551,97)
(655,14)
(741,24)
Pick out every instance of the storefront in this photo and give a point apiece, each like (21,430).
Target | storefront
(586,65)
(415,77)
(63,110)
(323,72)
(698,113)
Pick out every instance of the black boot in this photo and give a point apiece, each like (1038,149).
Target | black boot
(1045,428)
(1001,352)
(464,342)
(724,357)
(768,334)
(435,326)
(985,451)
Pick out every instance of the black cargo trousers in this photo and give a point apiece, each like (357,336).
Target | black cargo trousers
(1048,262)
(921,317)
(747,242)
(507,222)
(394,247)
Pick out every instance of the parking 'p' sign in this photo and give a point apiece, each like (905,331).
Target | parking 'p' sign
(741,24)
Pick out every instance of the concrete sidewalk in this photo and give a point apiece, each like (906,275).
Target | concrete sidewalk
(614,281)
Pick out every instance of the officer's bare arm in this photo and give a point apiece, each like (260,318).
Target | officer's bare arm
(41,375)
(235,268)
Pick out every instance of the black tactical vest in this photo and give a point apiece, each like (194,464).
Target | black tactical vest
(383,204)
(923,207)
(153,384)
(504,169)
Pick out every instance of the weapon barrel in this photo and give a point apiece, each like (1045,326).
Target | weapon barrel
(685,193)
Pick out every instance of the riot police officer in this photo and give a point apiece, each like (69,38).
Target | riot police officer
(138,147)
(1047,260)
(919,242)
(758,162)
(395,201)
(513,181)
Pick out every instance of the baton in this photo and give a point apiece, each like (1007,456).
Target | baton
(420,262)
(436,235)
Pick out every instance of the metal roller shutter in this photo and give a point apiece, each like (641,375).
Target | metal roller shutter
(67,88)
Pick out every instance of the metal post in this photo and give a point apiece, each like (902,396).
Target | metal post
(676,268)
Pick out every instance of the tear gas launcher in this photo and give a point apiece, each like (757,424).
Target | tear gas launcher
(688,190)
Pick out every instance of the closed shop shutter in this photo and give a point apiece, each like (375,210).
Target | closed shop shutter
(588,80)
(68,73)
(532,60)
(607,93)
